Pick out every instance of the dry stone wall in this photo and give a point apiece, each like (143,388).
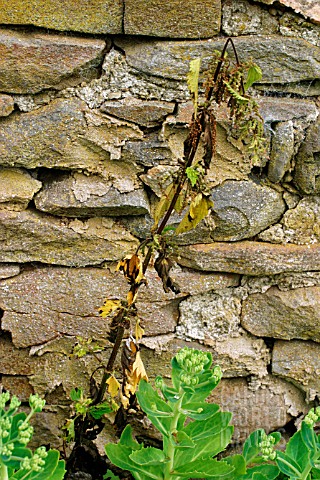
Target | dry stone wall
(94,111)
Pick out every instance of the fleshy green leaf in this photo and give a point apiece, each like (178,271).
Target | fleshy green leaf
(97,411)
(238,463)
(110,476)
(157,410)
(270,472)
(148,456)
(205,467)
(200,410)
(251,446)
(298,451)
(287,465)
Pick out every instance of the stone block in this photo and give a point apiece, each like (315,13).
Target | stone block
(100,16)
(31,236)
(301,224)
(17,385)
(292,314)
(17,188)
(249,258)
(13,360)
(307,169)
(282,151)
(78,195)
(242,18)
(298,362)
(308,8)
(46,61)
(6,105)
(172,19)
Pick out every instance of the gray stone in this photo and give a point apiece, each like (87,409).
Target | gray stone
(241,18)
(17,385)
(65,135)
(149,152)
(294,26)
(298,362)
(286,109)
(17,188)
(249,258)
(243,209)
(46,61)
(159,178)
(269,406)
(171,19)
(301,225)
(13,360)
(6,105)
(307,170)
(308,8)
(146,113)
(100,16)
(292,314)
(282,151)
(31,236)
(79,195)
(282,59)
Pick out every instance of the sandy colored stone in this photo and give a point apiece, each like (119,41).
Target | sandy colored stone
(250,258)
(301,225)
(286,109)
(144,112)
(9,270)
(6,105)
(193,282)
(242,18)
(308,8)
(307,170)
(31,236)
(270,405)
(17,188)
(241,209)
(286,315)
(18,386)
(281,59)
(173,19)
(100,16)
(13,360)
(299,363)
(46,61)
(79,195)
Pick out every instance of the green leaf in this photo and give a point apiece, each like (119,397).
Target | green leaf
(76,394)
(238,463)
(183,441)
(110,476)
(127,439)
(192,175)
(298,451)
(54,469)
(97,411)
(119,455)
(205,467)
(18,452)
(254,75)
(157,410)
(308,436)
(193,81)
(270,472)
(198,210)
(200,410)
(287,465)
(251,446)
(148,456)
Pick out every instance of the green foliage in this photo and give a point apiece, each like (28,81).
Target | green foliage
(193,430)
(17,462)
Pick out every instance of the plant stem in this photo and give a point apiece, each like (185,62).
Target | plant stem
(3,471)
(170,442)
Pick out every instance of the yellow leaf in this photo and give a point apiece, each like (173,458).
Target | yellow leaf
(113,386)
(139,331)
(133,368)
(108,307)
(193,81)
(198,210)
(131,266)
(164,203)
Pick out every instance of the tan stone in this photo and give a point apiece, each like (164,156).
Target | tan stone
(17,385)
(299,363)
(270,405)
(17,188)
(31,236)
(98,16)
(292,314)
(249,258)
(308,8)
(173,19)
(46,61)
(15,361)
(6,105)
(9,270)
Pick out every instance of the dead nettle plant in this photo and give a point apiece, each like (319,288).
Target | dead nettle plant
(224,83)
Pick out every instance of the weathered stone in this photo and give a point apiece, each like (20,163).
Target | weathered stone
(307,88)
(15,361)
(282,150)
(79,195)
(60,135)
(242,18)
(298,362)
(243,209)
(46,61)
(210,317)
(18,386)
(149,152)
(192,19)
(301,225)
(44,304)
(307,170)
(31,236)
(249,258)
(17,188)
(292,314)
(48,426)
(146,113)
(270,406)
(286,109)
(9,270)
(100,16)
(159,178)
(6,105)
(194,283)
(294,26)
(169,59)
(308,8)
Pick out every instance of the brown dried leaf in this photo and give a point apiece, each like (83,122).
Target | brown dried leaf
(133,369)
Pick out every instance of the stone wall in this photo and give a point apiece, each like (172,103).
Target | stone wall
(94,111)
